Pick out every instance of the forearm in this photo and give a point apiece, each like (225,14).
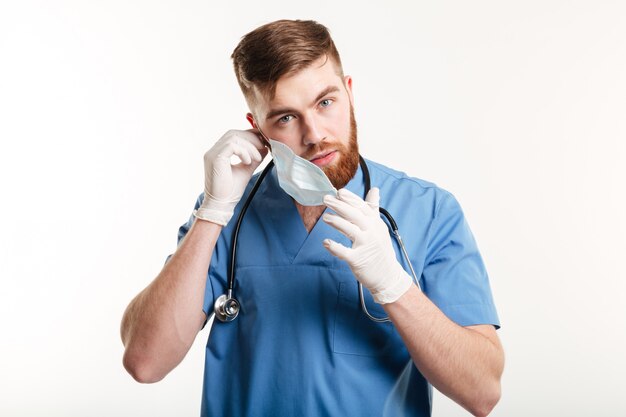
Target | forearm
(161,323)
(460,362)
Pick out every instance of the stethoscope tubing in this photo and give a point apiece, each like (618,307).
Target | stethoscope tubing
(233,254)
(227,307)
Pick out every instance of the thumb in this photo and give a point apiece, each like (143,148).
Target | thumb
(373,198)
(337,249)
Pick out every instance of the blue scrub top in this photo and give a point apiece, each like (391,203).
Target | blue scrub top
(301,345)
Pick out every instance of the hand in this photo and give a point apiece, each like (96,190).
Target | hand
(372,257)
(224,183)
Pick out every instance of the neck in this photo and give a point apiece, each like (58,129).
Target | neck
(310,214)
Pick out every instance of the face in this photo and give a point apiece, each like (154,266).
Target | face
(312,113)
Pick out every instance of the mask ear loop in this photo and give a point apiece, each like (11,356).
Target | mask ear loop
(265,138)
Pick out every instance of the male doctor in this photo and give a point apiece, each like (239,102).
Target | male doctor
(302,344)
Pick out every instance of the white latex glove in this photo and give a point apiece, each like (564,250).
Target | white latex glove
(372,257)
(224,183)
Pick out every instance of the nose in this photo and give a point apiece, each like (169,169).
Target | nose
(312,133)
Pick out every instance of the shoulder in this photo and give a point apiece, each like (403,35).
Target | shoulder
(378,170)
(397,184)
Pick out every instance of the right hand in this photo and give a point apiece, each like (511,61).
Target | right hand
(224,183)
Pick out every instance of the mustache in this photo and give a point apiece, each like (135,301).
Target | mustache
(321,148)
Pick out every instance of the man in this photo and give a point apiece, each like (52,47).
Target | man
(302,344)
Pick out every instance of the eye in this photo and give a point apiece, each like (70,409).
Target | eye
(285,119)
(326,102)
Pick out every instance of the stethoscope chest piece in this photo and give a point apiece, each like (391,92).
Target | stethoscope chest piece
(226,308)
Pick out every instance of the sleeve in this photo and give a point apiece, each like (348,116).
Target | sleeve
(182,232)
(454,275)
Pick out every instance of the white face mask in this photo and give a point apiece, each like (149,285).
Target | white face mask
(301,179)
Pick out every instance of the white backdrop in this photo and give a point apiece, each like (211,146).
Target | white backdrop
(106,108)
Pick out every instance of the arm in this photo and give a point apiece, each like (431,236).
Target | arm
(161,322)
(464,363)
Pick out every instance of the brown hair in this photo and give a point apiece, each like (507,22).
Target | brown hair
(280,48)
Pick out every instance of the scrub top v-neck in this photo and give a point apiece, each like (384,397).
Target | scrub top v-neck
(301,344)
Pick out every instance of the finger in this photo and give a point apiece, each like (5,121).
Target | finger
(264,139)
(353,199)
(250,147)
(345,210)
(350,230)
(242,153)
(230,146)
(337,249)
(254,137)
(373,198)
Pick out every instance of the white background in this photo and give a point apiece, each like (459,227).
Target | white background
(106,109)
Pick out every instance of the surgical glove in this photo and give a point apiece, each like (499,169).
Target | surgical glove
(225,183)
(372,257)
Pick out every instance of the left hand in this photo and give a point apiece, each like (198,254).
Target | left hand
(372,257)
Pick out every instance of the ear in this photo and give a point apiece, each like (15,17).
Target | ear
(250,119)
(347,82)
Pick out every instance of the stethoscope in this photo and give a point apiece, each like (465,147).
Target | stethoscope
(227,307)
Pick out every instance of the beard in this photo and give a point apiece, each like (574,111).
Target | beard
(341,172)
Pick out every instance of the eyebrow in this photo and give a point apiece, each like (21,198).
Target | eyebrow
(275,112)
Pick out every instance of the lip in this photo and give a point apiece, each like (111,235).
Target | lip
(323,159)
